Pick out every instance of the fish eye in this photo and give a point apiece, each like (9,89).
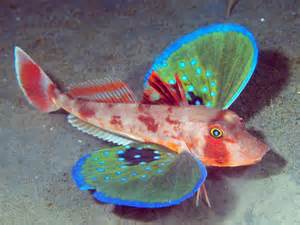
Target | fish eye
(216,132)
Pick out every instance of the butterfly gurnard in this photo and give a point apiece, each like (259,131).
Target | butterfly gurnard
(181,125)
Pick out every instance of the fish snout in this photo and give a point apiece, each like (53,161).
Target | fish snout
(252,149)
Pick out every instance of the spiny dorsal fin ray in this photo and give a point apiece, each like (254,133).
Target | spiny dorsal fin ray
(164,93)
(97,132)
(102,90)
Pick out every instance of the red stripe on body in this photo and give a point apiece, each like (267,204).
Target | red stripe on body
(116,121)
(175,124)
(172,122)
(85,111)
(149,122)
(215,152)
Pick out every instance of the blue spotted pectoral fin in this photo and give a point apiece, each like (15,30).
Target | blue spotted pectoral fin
(213,63)
(145,176)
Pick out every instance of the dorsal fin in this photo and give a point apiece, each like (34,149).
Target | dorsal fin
(103,90)
(97,132)
(164,93)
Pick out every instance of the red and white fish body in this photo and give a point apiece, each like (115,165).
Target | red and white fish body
(179,128)
(216,137)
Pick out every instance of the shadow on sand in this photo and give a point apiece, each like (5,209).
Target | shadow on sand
(220,195)
(271,75)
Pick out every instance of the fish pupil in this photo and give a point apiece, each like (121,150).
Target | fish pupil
(216,133)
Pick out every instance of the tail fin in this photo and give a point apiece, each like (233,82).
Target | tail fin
(35,84)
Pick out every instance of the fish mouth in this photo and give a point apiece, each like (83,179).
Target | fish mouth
(253,161)
(247,162)
(263,153)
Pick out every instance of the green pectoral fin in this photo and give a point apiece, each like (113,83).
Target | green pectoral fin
(213,63)
(143,175)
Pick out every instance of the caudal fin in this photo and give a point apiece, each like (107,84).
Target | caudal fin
(35,84)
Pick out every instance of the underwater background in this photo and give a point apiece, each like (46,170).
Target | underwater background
(82,40)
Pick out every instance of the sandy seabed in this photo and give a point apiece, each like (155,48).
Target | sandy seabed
(81,40)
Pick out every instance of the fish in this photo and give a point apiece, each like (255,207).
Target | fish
(181,125)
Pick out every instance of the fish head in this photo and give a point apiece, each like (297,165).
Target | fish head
(229,144)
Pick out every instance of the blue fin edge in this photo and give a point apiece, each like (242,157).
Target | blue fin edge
(102,197)
(218,27)
(77,176)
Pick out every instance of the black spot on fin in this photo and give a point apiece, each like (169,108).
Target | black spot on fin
(194,100)
(134,156)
